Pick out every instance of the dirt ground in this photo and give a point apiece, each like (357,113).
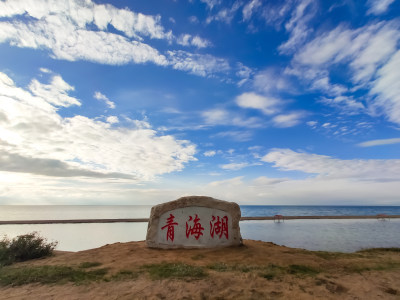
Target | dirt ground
(235,273)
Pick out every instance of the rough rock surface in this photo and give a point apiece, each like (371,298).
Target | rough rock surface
(194,222)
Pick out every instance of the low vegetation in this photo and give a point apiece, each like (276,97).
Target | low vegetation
(270,271)
(48,274)
(24,247)
(174,270)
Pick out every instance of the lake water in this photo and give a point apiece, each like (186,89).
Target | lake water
(323,234)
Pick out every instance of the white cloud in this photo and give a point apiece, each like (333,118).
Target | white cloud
(112,120)
(249,9)
(198,64)
(387,89)
(211,3)
(346,104)
(79,30)
(263,181)
(200,42)
(302,13)
(218,116)
(365,48)
(312,124)
(55,93)
(323,83)
(83,13)
(267,105)
(189,40)
(272,81)
(210,153)
(67,42)
(288,120)
(380,142)
(34,138)
(225,15)
(235,135)
(328,167)
(370,54)
(243,72)
(234,166)
(378,7)
(99,96)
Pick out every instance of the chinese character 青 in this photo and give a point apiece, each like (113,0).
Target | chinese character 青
(196,230)
(219,227)
(170,227)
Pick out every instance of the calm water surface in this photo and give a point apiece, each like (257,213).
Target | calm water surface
(328,235)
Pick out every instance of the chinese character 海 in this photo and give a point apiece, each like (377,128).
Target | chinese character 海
(170,227)
(219,227)
(196,230)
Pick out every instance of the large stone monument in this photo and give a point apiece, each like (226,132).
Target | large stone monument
(194,222)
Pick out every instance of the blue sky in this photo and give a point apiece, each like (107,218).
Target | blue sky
(258,102)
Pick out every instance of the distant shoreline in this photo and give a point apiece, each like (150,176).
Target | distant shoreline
(143,220)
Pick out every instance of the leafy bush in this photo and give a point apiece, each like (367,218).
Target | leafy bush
(24,247)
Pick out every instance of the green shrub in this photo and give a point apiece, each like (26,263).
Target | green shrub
(24,247)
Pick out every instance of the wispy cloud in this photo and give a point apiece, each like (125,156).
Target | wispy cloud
(302,13)
(327,167)
(219,116)
(289,119)
(99,96)
(198,64)
(380,142)
(234,166)
(372,59)
(235,135)
(377,7)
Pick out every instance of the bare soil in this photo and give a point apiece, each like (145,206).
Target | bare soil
(256,270)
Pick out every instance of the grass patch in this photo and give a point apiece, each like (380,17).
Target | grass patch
(24,247)
(220,267)
(272,271)
(89,264)
(377,250)
(174,270)
(125,275)
(198,256)
(383,266)
(48,274)
(223,267)
(333,255)
(302,270)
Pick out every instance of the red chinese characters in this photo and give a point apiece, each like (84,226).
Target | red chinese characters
(170,227)
(195,228)
(219,227)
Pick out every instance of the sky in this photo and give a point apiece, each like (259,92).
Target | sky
(141,102)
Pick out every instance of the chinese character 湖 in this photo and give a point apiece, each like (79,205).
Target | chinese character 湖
(219,227)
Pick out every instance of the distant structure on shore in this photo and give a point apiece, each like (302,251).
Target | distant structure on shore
(194,222)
